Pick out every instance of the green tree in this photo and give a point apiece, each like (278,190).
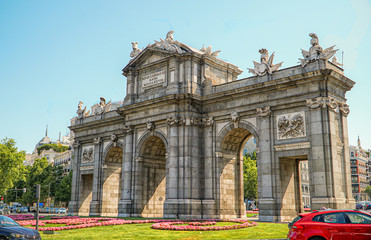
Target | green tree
(56,147)
(368,190)
(250,176)
(11,164)
(38,173)
(63,192)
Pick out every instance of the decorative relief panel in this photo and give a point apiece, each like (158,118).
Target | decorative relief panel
(87,155)
(291,125)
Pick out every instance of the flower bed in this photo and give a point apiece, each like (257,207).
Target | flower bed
(200,227)
(202,223)
(193,225)
(67,217)
(23,217)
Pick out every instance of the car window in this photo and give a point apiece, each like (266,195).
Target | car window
(318,218)
(337,217)
(359,218)
(297,218)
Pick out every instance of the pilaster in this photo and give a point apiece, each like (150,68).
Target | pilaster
(126,201)
(95,204)
(73,206)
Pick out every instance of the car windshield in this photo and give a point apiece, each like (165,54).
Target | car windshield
(7,222)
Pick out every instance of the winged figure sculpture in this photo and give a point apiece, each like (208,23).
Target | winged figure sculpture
(266,64)
(316,52)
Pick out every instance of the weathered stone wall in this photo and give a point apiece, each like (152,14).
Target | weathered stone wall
(111,190)
(86,194)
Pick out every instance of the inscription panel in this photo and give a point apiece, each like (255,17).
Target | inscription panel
(153,79)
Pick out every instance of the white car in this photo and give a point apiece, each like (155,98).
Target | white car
(62,210)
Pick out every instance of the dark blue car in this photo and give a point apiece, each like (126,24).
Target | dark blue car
(9,229)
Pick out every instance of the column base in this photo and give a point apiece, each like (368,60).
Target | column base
(182,208)
(94,209)
(126,208)
(73,208)
(209,209)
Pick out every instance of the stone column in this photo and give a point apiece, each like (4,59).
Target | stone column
(137,195)
(95,204)
(267,203)
(329,163)
(125,204)
(344,111)
(73,207)
(242,209)
(172,184)
(208,202)
(194,171)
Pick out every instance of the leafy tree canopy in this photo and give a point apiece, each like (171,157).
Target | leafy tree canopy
(11,164)
(250,176)
(368,190)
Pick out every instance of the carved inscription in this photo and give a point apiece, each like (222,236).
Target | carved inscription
(153,79)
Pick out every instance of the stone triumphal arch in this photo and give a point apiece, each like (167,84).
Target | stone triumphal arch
(173,147)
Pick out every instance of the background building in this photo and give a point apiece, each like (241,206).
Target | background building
(305,192)
(49,154)
(359,164)
(64,160)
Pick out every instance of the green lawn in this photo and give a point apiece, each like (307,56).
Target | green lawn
(252,215)
(144,231)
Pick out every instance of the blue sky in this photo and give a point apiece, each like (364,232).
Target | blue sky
(54,54)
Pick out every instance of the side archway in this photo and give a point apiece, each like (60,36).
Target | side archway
(230,191)
(111,187)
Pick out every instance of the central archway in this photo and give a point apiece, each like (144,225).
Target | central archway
(152,165)
(231,142)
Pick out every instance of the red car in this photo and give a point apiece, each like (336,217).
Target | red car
(331,225)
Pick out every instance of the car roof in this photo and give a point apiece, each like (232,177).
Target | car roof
(317,212)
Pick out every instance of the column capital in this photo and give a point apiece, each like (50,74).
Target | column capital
(76,144)
(97,140)
(263,112)
(173,121)
(128,129)
(323,102)
(344,109)
(219,154)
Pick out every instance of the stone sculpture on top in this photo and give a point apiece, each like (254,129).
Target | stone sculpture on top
(101,107)
(81,113)
(316,52)
(168,44)
(135,51)
(266,64)
(207,51)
